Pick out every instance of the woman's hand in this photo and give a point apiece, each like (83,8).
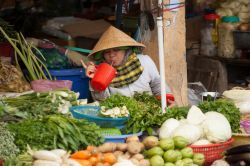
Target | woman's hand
(171,103)
(90,69)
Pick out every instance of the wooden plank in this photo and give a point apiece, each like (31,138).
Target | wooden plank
(175,49)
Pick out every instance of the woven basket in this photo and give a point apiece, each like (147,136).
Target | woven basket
(212,152)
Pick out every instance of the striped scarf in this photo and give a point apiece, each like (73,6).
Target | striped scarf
(128,73)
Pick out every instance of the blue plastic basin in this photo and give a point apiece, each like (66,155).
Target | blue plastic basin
(77,76)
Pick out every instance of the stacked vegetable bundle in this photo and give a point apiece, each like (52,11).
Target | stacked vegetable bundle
(35,105)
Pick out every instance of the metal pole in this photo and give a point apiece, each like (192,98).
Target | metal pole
(162,62)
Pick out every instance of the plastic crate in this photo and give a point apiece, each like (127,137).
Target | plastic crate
(91,113)
(77,76)
(120,138)
(212,152)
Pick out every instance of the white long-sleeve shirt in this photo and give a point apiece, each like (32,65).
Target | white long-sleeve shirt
(149,81)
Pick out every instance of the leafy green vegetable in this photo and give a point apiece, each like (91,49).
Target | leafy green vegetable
(145,111)
(55,131)
(225,107)
(8,149)
(36,105)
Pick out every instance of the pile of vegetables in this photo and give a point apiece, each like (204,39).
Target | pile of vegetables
(145,111)
(13,82)
(225,107)
(55,131)
(35,105)
(198,128)
(171,152)
(240,8)
(23,50)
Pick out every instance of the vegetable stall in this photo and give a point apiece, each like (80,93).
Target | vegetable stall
(40,128)
(50,125)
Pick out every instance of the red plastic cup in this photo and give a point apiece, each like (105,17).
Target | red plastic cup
(104,75)
(168,97)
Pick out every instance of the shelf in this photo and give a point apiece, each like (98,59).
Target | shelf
(233,61)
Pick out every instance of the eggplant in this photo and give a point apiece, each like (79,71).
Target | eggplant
(238,149)
(238,157)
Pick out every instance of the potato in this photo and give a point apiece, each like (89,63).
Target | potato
(144,162)
(118,153)
(138,156)
(127,155)
(107,147)
(122,146)
(150,142)
(132,138)
(134,161)
(134,147)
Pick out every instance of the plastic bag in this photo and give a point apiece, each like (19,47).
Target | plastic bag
(54,57)
(48,85)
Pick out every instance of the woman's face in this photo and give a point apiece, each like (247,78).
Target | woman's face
(114,56)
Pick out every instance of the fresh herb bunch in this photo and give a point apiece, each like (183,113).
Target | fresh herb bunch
(8,149)
(145,111)
(225,107)
(32,132)
(55,131)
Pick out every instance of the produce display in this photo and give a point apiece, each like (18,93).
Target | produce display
(145,111)
(169,152)
(240,8)
(225,107)
(36,105)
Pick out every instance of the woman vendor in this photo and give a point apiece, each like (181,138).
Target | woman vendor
(135,72)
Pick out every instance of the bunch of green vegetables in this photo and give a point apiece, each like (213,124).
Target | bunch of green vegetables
(55,131)
(35,105)
(225,107)
(23,50)
(145,111)
(8,149)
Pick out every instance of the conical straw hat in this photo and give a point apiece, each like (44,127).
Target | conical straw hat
(112,38)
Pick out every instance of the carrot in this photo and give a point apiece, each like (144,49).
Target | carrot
(109,158)
(93,160)
(99,164)
(82,154)
(106,164)
(93,150)
(100,157)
